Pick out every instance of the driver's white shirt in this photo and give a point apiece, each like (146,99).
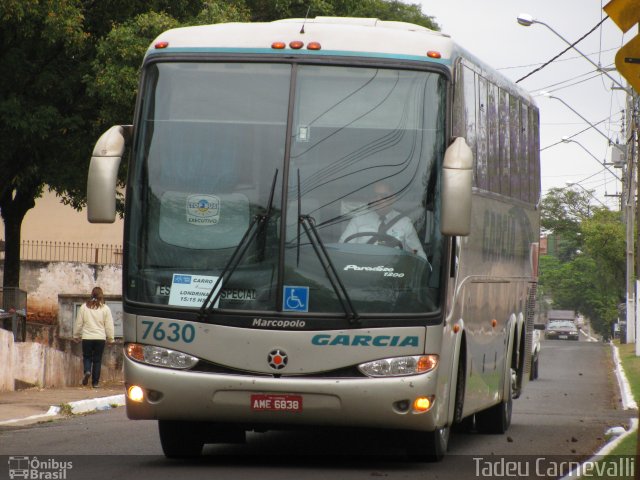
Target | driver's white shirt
(370,222)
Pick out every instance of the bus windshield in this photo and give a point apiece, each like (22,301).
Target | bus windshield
(347,163)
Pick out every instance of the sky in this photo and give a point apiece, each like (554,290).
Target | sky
(489,30)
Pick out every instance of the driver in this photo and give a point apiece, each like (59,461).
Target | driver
(383,221)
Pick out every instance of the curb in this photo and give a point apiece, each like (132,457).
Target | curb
(92,404)
(80,406)
(628,402)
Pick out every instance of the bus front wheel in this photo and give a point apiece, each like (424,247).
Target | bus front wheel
(180,439)
(428,446)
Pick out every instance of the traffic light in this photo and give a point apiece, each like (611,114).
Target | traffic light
(625,14)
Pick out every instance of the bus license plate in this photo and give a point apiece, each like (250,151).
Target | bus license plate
(276,403)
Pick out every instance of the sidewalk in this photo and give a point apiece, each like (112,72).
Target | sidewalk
(24,407)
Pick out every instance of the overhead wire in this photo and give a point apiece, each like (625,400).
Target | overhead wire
(549,88)
(576,134)
(568,59)
(563,52)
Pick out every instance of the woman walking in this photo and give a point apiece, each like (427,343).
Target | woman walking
(94,325)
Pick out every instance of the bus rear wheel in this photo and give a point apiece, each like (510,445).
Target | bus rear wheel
(497,419)
(180,439)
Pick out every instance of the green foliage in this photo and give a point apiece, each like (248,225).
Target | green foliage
(562,211)
(116,67)
(605,241)
(588,274)
(268,10)
(219,12)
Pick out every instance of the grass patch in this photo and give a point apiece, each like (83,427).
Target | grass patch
(66,409)
(631,366)
(627,448)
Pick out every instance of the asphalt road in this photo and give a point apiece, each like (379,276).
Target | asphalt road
(562,417)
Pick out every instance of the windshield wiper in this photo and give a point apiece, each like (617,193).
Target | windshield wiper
(257,225)
(307,223)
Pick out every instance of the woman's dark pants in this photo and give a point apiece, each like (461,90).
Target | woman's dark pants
(92,358)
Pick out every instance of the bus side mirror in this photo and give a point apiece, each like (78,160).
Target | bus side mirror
(103,175)
(457,176)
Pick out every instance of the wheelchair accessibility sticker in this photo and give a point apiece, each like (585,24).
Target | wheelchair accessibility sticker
(295,299)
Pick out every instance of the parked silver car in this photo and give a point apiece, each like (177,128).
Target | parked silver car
(562,330)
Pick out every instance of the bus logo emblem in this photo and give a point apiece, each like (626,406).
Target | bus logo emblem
(203,209)
(277,359)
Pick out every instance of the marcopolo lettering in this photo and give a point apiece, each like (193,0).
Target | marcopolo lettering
(366,340)
(260,322)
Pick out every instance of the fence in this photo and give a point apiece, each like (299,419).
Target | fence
(102,254)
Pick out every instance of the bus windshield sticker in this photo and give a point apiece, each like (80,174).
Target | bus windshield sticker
(203,209)
(295,299)
(190,290)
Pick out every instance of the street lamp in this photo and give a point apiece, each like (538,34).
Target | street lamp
(590,192)
(570,140)
(527,20)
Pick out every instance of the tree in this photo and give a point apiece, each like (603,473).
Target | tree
(267,10)
(48,122)
(588,275)
(43,47)
(562,211)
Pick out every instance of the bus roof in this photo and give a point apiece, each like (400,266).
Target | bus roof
(368,37)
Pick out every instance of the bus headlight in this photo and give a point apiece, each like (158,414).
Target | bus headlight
(160,356)
(399,366)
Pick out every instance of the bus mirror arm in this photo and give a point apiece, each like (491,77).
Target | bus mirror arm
(103,174)
(457,177)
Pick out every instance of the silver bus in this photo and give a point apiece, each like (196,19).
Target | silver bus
(329,222)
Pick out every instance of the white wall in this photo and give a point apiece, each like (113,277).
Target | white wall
(44,366)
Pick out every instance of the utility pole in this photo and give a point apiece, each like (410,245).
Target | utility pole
(630,216)
(634,150)
(626,14)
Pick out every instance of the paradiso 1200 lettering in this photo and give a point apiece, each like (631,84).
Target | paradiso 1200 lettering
(388,271)
(366,340)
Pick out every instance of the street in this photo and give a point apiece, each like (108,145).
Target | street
(561,416)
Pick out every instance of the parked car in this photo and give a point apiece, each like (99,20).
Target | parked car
(562,330)
(535,351)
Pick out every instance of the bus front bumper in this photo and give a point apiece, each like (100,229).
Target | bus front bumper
(387,403)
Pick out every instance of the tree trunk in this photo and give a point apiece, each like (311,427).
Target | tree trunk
(14,205)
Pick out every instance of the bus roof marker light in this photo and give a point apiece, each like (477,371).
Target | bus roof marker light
(296,44)
(314,46)
(434,54)
(278,45)
(161,45)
